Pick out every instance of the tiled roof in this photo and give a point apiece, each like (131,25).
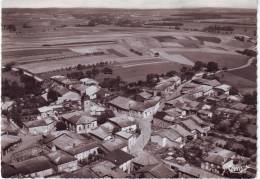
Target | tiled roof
(182,131)
(118,157)
(33,165)
(122,102)
(59,157)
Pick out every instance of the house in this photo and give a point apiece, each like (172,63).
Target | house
(77,145)
(190,171)
(216,159)
(143,96)
(63,161)
(101,134)
(223,89)
(227,111)
(182,131)
(121,104)
(208,82)
(156,171)
(9,171)
(116,143)
(41,126)
(239,106)
(88,81)
(166,86)
(251,130)
(64,81)
(69,96)
(7,126)
(107,169)
(8,143)
(144,159)
(163,119)
(124,123)
(130,137)
(168,137)
(39,166)
(205,113)
(79,122)
(192,127)
(93,108)
(49,111)
(84,172)
(60,90)
(80,89)
(25,152)
(7,106)
(92,91)
(121,159)
(146,109)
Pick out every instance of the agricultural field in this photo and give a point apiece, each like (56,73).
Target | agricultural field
(139,72)
(60,43)
(242,84)
(224,60)
(247,73)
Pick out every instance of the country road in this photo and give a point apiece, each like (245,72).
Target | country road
(143,139)
(249,62)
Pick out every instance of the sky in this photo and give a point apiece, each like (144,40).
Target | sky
(141,4)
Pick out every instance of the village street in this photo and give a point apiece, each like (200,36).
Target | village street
(143,139)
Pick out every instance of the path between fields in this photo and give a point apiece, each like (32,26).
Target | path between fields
(249,62)
(140,64)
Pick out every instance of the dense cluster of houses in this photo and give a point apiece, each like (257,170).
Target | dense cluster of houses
(75,137)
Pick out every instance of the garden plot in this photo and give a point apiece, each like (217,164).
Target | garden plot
(224,60)
(171,44)
(177,58)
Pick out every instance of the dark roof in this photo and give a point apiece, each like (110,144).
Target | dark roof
(78,118)
(8,170)
(159,171)
(33,165)
(83,172)
(122,102)
(118,157)
(160,115)
(83,147)
(59,157)
(139,106)
(60,90)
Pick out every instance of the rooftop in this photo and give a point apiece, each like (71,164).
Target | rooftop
(118,157)
(107,169)
(122,102)
(114,144)
(122,121)
(181,130)
(78,117)
(39,123)
(100,133)
(159,171)
(33,165)
(60,157)
(191,125)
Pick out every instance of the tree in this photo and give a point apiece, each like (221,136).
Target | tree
(212,66)
(198,66)
(104,116)
(250,99)
(107,70)
(171,73)
(9,65)
(60,126)
(233,91)
(52,96)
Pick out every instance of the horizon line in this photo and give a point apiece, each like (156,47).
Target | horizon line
(78,7)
